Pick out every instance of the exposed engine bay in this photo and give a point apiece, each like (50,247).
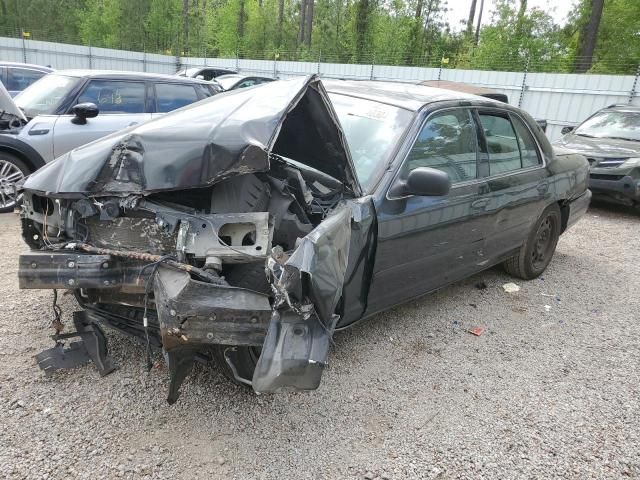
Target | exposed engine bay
(236,234)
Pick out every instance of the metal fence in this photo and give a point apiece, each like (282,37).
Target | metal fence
(562,99)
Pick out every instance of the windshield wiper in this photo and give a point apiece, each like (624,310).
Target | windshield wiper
(586,135)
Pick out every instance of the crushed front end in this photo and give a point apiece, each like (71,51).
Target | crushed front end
(245,265)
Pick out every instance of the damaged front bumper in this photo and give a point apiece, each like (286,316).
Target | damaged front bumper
(185,310)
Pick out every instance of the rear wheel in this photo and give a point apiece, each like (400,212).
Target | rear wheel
(12,170)
(539,247)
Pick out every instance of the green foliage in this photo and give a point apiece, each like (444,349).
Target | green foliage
(395,32)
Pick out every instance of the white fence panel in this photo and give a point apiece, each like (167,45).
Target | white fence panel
(561,99)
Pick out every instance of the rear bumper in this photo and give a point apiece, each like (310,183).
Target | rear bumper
(622,188)
(578,207)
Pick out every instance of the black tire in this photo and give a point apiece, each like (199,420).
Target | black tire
(537,251)
(12,170)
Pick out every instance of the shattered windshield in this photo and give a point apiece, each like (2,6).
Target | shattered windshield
(618,125)
(45,96)
(372,130)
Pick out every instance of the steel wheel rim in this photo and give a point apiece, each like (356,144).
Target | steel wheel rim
(543,243)
(10,174)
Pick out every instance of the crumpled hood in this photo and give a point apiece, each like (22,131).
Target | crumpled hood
(228,134)
(599,147)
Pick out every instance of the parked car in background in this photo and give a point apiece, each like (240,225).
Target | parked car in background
(204,73)
(610,139)
(235,81)
(69,108)
(248,227)
(17,76)
(476,90)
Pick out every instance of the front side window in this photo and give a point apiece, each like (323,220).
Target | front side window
(447,142)
(170,96)
(115,97)
(502,143)
(46,95)
(20,78)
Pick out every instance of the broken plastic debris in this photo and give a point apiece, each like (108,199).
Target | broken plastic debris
(477,331)
(547,308)
(511,287)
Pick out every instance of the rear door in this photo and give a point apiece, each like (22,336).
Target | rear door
(427,242)
(122,103)
(516,177)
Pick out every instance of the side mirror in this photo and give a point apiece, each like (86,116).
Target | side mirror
(566,130)
(424,182)
(199,77)
(82,111)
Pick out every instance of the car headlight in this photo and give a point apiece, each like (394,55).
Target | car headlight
(631,162)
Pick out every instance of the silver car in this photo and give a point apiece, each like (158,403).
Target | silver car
(17,76)
(67,109)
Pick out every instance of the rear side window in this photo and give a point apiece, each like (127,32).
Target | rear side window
(502,143)
(170,96)
(115,97)
(528,146)
(20,78)
(447,142)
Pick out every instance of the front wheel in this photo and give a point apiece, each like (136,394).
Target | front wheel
(537,250)
(12,170)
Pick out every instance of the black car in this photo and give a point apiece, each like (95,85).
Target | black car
(204,73)
(249,227)
(236,81)
(17,76)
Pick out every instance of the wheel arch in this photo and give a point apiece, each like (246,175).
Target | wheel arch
(24,152)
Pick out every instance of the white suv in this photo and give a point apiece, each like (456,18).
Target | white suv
(67,109)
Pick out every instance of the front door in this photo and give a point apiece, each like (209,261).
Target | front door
(121,103)
(427,242)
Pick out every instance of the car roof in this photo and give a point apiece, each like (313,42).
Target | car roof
(623,107)
(26,65)
(231,75)
(124,75)
(403,95)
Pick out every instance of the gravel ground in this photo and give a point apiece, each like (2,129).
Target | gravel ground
(544,392)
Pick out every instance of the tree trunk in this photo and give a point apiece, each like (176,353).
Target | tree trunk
(280,21)
(588,38)
(472,16)
(303,12)
(241,20)
(362,25)
(309,21)
(479,22)
(185,26)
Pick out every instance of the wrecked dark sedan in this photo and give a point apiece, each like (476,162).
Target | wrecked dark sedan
(246,229)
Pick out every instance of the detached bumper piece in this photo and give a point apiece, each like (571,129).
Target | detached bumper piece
(91,347)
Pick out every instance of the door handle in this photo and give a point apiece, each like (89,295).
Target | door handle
(481,203)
